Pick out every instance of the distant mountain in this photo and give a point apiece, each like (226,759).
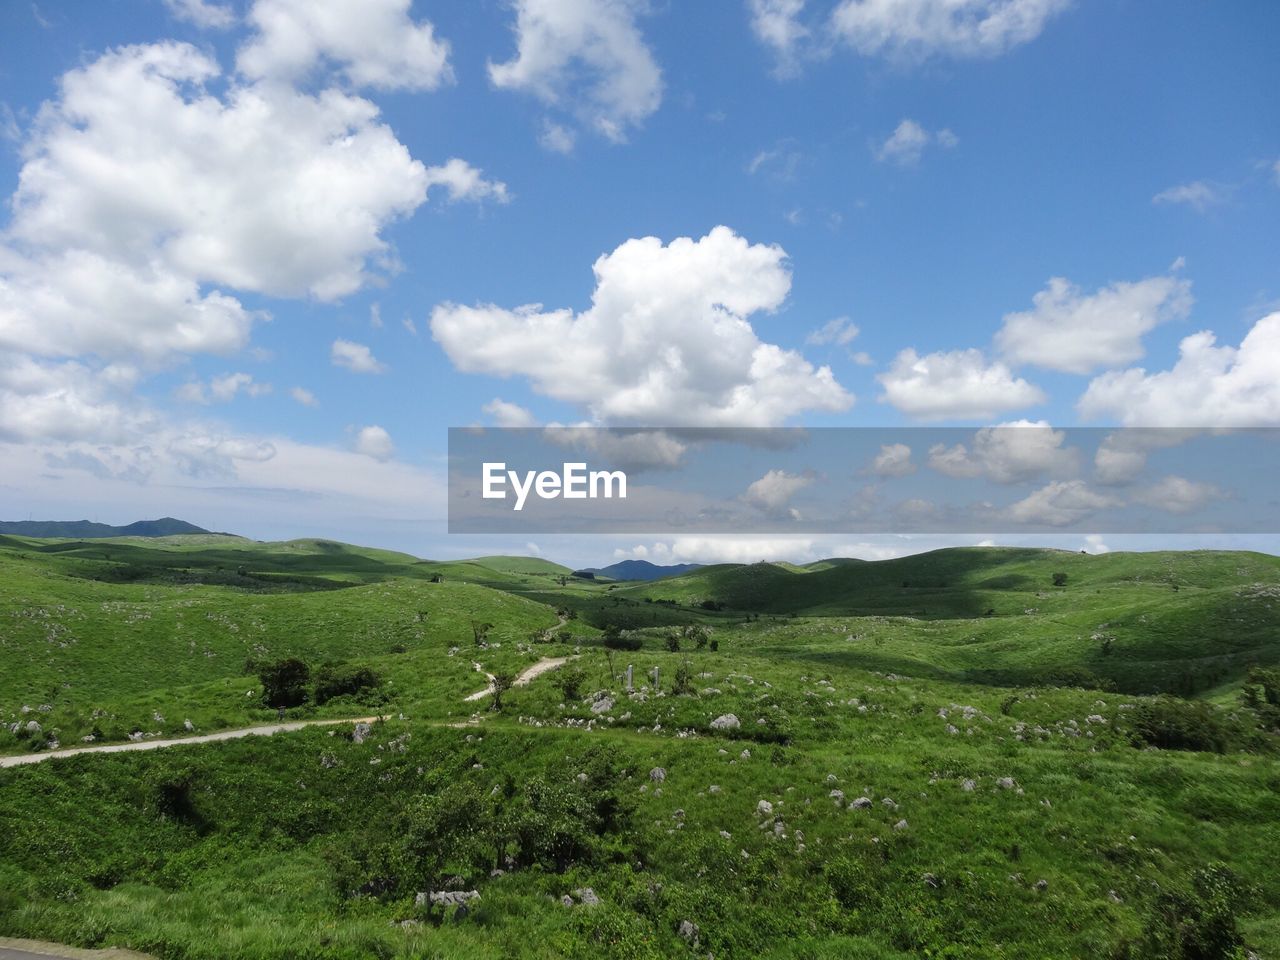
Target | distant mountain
(642,570)
(88,530)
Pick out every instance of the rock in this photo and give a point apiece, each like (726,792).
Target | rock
(188,726)
(900,825)
(888,802)
(862,803)
(726,721)
(764,808)
(1006,783)
(714,788)
(968,786)
(1042,885)
(745,755)
(360,732)
(33,727)
(603,705)
(446,898)
(726,835)
(587,897)
(567,900)
(688,931)
(1114,897)
(678,815)
(931,880)
(837,796)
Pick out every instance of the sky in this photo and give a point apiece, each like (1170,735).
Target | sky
(257,256)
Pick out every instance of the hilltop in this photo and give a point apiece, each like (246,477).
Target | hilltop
(86,529)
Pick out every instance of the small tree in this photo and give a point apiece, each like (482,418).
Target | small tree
(284,682)
(1059,579)
(673,642)
(480,632)
(683,682)
(501,683)
(569,680)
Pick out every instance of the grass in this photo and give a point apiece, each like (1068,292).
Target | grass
(312,845)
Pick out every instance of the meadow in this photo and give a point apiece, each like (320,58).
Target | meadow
(970,753)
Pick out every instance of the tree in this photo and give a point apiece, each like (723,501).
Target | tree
(480,632)
(615,639)
(501,683)
(1059,579)
(284,682)
(569,681)
(344,679)
(673,642)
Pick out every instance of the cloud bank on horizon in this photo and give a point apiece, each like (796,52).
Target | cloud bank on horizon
(257,255)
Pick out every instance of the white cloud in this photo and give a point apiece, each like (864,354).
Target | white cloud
(1059,504)
(916,29)
(202,13)
(908,141)
(586,56)
(1209,386)
(1198,195)
(373,441)
(772,492)
(1122,455)
(776,23)
(1075,332)
(222,389)
(375,43)
(355,357)
(961,384)
(841,331)
(304,396)
(122,216)
(465,182)
(506,414)
(67,401)
(1178,494)
(633,450)
(557,138)
(666,339)
(893,460)
(1095,544)
(1008,453)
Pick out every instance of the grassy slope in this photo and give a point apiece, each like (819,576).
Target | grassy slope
(855,681)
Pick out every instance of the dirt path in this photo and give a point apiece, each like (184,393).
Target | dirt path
(526,675)
(262,731)
(11,949)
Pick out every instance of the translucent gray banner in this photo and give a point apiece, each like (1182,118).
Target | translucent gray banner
(1006,479)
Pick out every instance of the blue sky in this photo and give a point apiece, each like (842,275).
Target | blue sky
(216,206)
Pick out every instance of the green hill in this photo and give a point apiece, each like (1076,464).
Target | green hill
(84,529)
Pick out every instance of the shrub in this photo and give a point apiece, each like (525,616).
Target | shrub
(615,639)
(284,682)
(1171,723)
(1197,923)
(344,680)
(1059,579)
(569,681)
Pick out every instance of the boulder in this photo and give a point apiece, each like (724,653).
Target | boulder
(726,721)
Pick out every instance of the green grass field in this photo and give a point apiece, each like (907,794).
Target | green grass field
(947,755)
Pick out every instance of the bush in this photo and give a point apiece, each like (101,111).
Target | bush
(615,639)
(344,680)
(1059,579)
(569,681)
(284,682)
(1195,924)
(1174,724)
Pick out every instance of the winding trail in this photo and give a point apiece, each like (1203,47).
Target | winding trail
(265,730)
(523,678)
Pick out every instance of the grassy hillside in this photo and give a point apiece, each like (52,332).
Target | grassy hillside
(1014,804)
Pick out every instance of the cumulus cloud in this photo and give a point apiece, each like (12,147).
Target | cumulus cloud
(776,24)
(68,401)
(124,219)
(893,460)
(773,492)
(1198,195)
(304,396)
(1008,453)
(631,450)
(202,13)
(1059,504)
(1122,455)
(557,138)
(667,339)
(587,57)
(917,29)
(1178,495)
(506,414)
(355,357)
(961,384)
(374,43)
(374,441)
(465,182)
(1209,386)
(907,143)
(1075,332)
